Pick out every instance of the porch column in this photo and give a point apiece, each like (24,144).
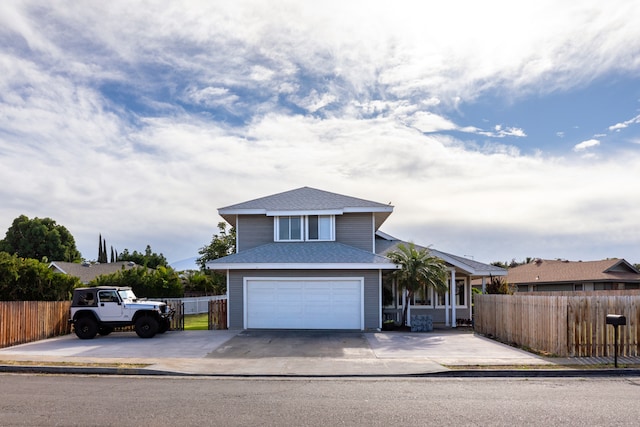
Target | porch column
(453,298)
(446,309)
(406,300)
(484,285)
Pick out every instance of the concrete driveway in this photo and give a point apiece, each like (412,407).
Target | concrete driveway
(279,352)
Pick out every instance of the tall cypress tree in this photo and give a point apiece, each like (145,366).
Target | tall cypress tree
(100,247)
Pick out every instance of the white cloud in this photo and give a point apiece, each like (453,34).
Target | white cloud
(622,125)
(143,170)
(211,96)
(585,145)
(501,132)
(428,122)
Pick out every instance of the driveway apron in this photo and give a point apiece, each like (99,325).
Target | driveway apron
(255,344)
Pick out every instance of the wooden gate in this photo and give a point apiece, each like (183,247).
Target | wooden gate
(218,314)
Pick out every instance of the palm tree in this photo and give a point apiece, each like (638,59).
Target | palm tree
(418,271)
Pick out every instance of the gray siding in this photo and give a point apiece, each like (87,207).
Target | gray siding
(371,291)
(355,229)
(254,230)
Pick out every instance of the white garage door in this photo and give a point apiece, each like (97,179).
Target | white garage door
(303,303)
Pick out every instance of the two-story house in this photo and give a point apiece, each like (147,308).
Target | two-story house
(311,259)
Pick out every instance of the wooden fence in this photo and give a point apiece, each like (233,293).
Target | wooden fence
(26,321)
(568,324)
(218,314)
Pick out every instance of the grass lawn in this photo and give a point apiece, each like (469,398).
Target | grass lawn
(196,322)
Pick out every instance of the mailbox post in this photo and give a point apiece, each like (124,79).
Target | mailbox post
(616,320)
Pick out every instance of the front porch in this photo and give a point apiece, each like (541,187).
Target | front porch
(449,309)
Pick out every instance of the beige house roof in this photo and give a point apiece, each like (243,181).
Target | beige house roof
(87,271)
(554,271)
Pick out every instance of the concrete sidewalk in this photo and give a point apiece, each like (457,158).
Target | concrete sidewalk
(287,354)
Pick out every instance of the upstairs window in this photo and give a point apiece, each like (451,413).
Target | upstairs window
(305,228)
(320,227)
(289,228)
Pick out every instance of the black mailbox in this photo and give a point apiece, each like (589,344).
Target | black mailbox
(616,320)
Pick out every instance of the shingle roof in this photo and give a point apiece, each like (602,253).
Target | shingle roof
(303,253)
(386,243)
(87,272)
(306,199)
(552,271)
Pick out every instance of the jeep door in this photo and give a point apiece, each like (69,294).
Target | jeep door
(109,306)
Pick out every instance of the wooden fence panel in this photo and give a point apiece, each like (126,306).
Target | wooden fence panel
(218,314)
(562,323)
(26,321)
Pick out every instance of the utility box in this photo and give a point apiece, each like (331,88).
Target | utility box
(616,320)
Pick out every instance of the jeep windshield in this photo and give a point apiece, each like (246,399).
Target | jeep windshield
(127,294)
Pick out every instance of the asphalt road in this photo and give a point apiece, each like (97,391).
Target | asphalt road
(35,400)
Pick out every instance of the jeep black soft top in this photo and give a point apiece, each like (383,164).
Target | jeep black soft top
(83,297)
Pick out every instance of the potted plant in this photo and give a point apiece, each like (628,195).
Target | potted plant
(388,325)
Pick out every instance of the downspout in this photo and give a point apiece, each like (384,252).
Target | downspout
(228,302)
(380,299)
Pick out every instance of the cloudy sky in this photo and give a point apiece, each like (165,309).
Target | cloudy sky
(497,129)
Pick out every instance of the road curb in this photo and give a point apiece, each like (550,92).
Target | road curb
(472,373)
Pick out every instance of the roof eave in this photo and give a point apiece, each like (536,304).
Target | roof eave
(301,266)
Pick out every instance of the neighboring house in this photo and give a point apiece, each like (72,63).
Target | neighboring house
(86,271)
(560,275)
(311,259)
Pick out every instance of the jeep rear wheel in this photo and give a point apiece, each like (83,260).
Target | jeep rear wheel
(85,328)
(146,327)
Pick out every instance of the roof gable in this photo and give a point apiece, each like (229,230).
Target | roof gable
(86,272)
(386,243)
(306,201)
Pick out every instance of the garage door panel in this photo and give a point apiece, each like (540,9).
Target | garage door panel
(303,304)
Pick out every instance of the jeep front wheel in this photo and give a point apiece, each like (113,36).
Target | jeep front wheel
(146,327)
(165,325)
(105,330)
(85,328)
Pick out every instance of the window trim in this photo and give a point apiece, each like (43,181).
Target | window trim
(304,228)
(332,228)
(276,228)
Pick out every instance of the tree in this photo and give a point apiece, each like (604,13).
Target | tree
(201,283)
(27,279)
(222,244)
(40,239)
(148,259)
(101,255)
(499,285)
(419,270)
(162,282)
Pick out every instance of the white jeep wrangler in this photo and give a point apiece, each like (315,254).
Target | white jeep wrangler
(100,309)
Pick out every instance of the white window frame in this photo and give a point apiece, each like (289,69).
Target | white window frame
(332,228)
(276,228)
(464,289)
(429,292)
(304,231)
